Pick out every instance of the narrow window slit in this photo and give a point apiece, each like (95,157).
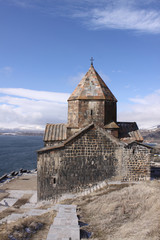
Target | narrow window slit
(54,180)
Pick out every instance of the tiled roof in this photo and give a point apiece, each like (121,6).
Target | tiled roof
(92,87)
(55,132)
(78,134)
(61,145)
(128,131)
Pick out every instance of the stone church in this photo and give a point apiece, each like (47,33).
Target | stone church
(92,146)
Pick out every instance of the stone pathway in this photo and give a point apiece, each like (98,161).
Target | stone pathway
(65,225)
(6,203)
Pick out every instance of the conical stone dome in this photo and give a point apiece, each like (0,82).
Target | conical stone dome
(91,101)
(92,87)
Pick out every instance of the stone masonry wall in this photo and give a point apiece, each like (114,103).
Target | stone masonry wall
(73,109)
(91,111)
(136,159)
(83,112)
(90,158)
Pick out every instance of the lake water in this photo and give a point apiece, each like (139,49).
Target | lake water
(18,152)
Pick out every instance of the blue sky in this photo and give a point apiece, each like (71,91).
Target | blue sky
(46,46)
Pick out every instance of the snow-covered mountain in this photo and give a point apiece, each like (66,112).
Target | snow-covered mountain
(17,131)
(151,134)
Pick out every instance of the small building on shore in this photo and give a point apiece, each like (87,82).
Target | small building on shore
(92,146)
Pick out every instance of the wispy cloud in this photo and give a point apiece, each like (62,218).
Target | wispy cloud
(145,111)
(6,70)
(23,3)
(124,18)
(137,15)
(117,71)
(74,80)
(140,16)
(105,77)
(31,109)
(36,95)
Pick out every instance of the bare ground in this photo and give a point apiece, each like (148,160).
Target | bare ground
(24,182)
(127,212)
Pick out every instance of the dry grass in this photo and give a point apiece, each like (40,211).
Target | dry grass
(128,213)
(17,229)
(23,200)
(8,212)
(120,212)
(3,195)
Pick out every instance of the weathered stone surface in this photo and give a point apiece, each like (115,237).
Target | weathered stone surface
(137,162)
(89,158)
(8,202)
(92,151)
(65,225)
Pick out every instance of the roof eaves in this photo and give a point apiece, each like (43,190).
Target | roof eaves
(45,149)
(78,133)
(142,144)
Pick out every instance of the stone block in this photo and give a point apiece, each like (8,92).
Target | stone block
(36,212)
(8,202)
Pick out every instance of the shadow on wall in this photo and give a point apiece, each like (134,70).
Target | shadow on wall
(155,173)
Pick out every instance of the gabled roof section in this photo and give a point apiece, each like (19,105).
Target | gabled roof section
(61,145)
(92,87)
(55,132)
(79,134)
(129,132)
(111,125)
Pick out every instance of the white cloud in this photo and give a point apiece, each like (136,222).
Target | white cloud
(37,95)
(24,108)
(31,109)
(124,18)
(145,111)
(137,15)
(140,20)
(140,16)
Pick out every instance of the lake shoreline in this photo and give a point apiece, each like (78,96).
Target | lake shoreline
(6,178)
(18,152)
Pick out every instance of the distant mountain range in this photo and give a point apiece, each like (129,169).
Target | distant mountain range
(24,132)
(150,135)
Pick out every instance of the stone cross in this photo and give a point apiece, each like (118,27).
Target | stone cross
(92,59)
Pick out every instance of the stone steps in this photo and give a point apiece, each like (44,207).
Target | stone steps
(65,225)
